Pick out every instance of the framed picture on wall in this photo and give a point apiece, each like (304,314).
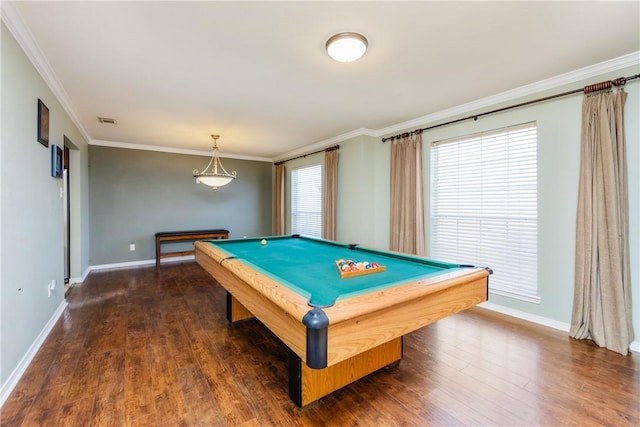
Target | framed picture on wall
(43,123)
(56,161)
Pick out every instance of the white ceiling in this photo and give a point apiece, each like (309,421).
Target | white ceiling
(171,73)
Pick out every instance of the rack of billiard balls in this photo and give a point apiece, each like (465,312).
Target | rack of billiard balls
(349,268)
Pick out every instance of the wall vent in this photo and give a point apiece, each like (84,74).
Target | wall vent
(107,121)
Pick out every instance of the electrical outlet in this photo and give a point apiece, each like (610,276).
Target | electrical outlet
(132,246)
(51,287)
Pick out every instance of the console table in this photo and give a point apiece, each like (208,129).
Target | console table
(183,236)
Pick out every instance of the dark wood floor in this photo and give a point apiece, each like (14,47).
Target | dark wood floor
(143,347)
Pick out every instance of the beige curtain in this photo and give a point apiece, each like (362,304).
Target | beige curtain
(329,194)
(407,204)
(278,201)
(602,293)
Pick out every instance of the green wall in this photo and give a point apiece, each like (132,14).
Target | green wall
(135,193)
(31,220)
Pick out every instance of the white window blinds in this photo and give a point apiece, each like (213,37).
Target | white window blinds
(484,206)
(306,201)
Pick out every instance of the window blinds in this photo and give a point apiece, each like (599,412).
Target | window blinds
(306,201)
(484,206)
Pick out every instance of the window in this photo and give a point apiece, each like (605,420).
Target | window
(484,206)
(306,201)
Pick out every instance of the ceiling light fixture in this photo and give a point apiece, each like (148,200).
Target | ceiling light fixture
(346,47)
(214,178)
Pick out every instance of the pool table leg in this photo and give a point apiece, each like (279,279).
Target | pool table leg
(307,385)
(236,311)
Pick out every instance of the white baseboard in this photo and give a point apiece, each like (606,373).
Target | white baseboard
(141,263)
(79,280)
(17,373)
(635,346)
(526,316)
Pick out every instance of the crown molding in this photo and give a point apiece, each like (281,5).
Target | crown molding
(630,60)
(14,22)
(128,146)
(327,143)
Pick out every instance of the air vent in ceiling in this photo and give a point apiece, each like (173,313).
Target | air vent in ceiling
(107,121)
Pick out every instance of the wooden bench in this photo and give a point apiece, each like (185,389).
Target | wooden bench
(184,236)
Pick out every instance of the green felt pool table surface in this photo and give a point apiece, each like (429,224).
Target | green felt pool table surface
(307,266)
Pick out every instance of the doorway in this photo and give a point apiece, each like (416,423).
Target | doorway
(66,211)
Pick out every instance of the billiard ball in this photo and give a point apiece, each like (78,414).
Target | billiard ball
(264,242)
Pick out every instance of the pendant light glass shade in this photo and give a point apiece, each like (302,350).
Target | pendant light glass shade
(217,176)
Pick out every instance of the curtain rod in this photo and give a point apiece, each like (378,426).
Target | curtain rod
(620,81)
(326,150)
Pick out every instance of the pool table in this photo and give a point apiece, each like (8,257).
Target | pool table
(337,329)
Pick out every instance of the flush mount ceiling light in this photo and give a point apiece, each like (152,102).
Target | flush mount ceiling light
(346,47)
(217,176)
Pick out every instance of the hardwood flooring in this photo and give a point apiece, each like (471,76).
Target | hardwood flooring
(147,347)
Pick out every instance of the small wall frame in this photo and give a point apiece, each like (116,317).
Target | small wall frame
(56,161)
(43,123)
